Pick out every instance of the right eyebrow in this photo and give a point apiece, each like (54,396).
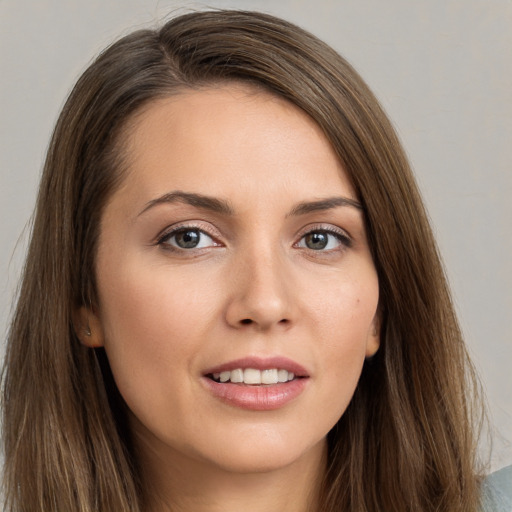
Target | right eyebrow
(198,200)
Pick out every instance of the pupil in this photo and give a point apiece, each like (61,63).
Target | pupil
(317,240)
(187,239)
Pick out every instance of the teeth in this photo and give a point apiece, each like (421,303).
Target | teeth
(270,376)
(253,376)
(237,375)
(282,376)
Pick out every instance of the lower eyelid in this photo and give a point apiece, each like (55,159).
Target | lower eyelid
(344,239)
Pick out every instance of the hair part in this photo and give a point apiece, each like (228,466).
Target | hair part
(406,441)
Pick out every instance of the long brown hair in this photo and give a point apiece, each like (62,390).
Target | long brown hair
(407,439)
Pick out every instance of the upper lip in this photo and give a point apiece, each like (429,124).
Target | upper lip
(260,363)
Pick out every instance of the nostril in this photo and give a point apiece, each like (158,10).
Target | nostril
(250,321)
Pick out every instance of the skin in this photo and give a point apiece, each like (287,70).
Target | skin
(252,288)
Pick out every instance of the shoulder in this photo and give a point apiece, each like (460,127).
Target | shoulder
(497,491)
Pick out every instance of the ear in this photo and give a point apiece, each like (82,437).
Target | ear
(88,327)
(373,342)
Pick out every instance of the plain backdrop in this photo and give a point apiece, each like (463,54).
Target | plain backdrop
(442,70)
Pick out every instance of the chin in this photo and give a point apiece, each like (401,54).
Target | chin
(265,455)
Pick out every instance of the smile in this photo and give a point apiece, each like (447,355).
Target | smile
(253,376)
(258,384)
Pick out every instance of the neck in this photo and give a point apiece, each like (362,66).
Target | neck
(177,483)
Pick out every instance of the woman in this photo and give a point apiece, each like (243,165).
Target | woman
(232,298)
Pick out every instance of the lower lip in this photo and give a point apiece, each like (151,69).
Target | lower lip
(257,398)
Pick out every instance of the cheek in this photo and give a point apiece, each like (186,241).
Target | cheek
(345,309)
(151,326)
(158,300)
(345,318)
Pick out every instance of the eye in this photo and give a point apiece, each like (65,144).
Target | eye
(323,240)
(187,238)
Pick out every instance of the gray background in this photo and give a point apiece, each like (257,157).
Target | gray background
(441,68)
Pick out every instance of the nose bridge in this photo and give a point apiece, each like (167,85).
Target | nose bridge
(261,294)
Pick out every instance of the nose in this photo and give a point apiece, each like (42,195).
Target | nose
(262,292)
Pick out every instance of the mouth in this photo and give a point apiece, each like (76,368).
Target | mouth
(257,384)
(253,376)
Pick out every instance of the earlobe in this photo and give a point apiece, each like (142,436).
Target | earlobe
(88,327)
(373,343)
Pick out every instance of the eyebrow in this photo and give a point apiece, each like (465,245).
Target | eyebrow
(223,207)
(198,200)
(324,204)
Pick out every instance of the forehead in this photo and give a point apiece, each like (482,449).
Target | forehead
(218,139)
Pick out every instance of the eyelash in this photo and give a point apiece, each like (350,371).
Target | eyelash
(342,237)
(163,239)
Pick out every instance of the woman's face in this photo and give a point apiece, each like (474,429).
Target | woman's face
(234,250)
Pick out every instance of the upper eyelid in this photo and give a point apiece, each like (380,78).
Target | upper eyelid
(344,238)
(329,228)
(204,227)
(175,228)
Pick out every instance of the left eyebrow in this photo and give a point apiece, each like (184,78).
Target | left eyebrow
(324,204)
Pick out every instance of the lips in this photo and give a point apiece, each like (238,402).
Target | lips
(257,383)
